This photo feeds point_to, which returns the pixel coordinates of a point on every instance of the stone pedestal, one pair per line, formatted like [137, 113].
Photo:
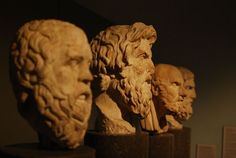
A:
[118, 146]
[161, 145]
[32, 150]
[182, 142]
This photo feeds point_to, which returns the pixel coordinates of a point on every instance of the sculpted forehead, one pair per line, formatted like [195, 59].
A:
[76, 41]
[51, 29]
[168, 73]
[44, 36]
[70, 40]
[72, 35]
[78, 46]
[188, 77]
[187, 74]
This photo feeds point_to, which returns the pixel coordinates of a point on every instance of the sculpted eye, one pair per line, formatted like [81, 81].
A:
[143, 55]
[189, 87]
[75, 61]
[175, 84]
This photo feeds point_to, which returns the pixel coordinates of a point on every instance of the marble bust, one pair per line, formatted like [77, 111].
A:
[173, 94]
[122, 69]
[49, 70]
[189, 96]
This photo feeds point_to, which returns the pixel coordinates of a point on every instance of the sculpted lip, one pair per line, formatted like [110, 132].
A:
[81, 101]
[82, 98]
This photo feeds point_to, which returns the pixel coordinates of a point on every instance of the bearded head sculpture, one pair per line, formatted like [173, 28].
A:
[173, 91]
[122, 69]
[49, 70]
[189, 85]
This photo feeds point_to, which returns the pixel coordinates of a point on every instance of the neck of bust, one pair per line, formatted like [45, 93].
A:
[112, 116]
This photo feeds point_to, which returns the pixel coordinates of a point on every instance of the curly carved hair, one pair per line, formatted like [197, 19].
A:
[31, 50]
[111, 47]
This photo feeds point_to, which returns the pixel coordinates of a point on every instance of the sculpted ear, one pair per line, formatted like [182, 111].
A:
[105, 81]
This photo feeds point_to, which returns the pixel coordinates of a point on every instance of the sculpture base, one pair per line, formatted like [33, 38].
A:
[118, 146]
[161, 145]
[182, 142]
[32, 150]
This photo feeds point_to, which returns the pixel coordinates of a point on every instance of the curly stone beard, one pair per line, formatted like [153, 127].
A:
[61, 120]
[186, 109]
[180, 110]
[136, 96]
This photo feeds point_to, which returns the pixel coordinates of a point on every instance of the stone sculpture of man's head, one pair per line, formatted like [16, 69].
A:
[122, 64]
[173, 90]
[189, 85]
[49, 69]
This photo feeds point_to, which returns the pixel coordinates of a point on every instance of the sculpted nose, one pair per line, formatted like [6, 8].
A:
[86, 77]
[151, 64]
[149, 67]
[182, 92]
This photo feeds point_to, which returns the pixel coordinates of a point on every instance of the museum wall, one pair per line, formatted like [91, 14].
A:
[199, 36]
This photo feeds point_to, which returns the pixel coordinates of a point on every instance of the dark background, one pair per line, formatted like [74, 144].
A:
[199, 35]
